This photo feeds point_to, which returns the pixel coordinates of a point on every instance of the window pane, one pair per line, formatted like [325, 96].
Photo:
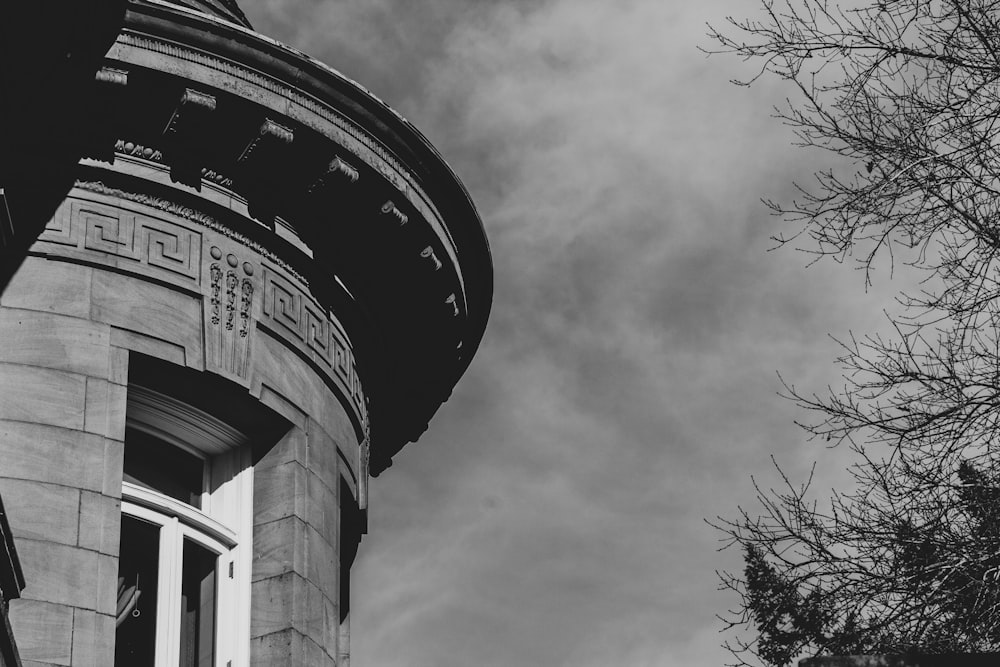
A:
[135, 637]
[158, 465]
[198, 606]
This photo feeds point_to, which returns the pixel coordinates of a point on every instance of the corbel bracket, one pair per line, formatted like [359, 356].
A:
[184, 135]
[264, 157]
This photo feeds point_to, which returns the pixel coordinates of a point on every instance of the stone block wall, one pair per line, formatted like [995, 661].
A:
[294, 620]
[95, 292]
[62, 417]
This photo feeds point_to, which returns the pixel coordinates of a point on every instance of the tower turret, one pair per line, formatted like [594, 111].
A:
[261, 284]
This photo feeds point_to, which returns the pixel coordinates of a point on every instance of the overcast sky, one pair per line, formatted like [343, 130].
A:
[626, 387]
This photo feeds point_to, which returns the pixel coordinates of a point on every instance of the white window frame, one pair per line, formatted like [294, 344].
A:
[223, 524]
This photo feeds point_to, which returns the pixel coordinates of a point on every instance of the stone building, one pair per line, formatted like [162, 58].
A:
[260, 284]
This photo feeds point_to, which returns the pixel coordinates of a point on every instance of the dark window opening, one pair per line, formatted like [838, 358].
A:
[198, 606]
[159, 466]
[135, 638]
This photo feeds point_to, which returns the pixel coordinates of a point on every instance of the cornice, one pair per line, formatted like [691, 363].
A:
[227, 10]
[376, 211]
[359, 143]
[395, 137]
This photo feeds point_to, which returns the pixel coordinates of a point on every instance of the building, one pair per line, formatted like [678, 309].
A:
[258, 285]
[11, 584]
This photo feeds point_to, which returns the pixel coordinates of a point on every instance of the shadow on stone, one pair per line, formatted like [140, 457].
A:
[49, 105]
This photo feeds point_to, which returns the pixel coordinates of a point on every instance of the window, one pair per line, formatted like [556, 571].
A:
[184, 568]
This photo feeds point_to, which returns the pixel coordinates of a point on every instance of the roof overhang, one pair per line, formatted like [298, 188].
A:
[382, 229]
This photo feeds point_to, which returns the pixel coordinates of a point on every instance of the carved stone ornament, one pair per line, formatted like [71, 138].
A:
[228, 314]
[393, 211]
[217, 178]
[188, 213]
[136, 150]
[428, 253]
[270, 137]
[112, 75]
[185, 130]
[131, 239]
[341, 129]
[293, 315]
[338, 172]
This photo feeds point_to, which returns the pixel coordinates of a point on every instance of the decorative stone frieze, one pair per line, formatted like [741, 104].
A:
[292, 315]
[169, 243]
[128, 239]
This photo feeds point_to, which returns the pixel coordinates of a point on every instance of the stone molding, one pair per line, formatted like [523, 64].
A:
[241, 289]
[193, 215]
[291, 315]
[169, 419]
[100, 232]
[330, 123]
[226, 10]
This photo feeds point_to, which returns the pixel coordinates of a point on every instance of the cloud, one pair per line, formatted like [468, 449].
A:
[552, 515]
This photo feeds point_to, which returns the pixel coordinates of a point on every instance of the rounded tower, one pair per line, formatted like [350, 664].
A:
[262, 283]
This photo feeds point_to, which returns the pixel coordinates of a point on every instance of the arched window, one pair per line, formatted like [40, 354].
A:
[184, 568]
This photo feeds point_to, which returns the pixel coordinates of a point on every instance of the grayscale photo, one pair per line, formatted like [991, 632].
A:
[500, 333]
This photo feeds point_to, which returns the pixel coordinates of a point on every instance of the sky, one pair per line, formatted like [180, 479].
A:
[626, 388]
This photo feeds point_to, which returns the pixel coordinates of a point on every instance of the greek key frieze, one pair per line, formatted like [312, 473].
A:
[171, 251]
[60, 228]
[295, 318]
[199, 217]
[282, 305]
[125, 239]
[317, 333]
[107, 230]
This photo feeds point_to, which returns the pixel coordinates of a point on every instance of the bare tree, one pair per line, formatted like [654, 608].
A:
[905, 97]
